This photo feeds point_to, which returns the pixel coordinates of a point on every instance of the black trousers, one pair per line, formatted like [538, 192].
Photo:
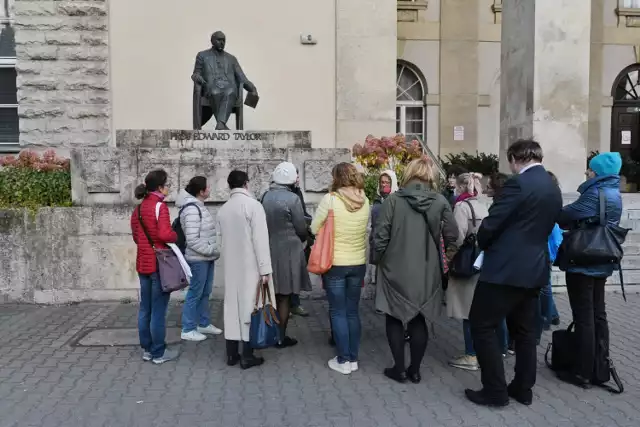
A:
[586, 296]
[492, 303]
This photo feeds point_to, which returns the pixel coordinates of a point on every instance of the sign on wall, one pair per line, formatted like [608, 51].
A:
[458, 133]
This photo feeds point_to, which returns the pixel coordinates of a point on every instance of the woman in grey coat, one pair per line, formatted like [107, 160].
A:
[199, 230]
[406, 249]
[287, 233]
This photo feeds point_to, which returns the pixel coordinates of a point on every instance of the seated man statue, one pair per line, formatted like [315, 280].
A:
[220, 76]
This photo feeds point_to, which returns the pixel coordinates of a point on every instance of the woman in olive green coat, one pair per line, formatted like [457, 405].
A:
[407, 252]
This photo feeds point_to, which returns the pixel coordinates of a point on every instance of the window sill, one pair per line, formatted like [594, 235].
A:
[412, 5]
[630, 16]
[408, 10]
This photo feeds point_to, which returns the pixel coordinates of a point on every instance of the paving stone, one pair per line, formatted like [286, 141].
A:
[46, 379]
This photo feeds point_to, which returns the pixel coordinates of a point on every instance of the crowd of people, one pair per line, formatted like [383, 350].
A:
[405, 243]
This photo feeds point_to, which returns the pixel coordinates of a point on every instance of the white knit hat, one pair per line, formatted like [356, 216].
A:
[285, 174]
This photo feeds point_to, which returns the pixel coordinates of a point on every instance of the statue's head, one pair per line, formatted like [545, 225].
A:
[218, 40]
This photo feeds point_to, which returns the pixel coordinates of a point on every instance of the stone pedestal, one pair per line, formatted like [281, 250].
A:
[545, 82]
[108, 176]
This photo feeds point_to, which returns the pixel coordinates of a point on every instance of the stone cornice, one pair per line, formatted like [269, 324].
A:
[630, 16]
[412, 4]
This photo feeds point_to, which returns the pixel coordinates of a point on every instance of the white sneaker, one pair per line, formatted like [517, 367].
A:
[192, 336]
[343, 368]
[210, 330]
[354, 366]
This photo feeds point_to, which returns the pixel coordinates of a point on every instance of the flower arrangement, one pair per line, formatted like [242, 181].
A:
[378, 154]
[31, 180]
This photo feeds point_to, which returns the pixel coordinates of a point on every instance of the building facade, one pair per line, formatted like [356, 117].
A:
[83, 70]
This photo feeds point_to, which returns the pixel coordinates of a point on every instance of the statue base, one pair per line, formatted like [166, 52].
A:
[108, 176]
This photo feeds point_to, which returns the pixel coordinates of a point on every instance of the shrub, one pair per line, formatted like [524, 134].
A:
[378, 154]
[31, 181]
[483, 163]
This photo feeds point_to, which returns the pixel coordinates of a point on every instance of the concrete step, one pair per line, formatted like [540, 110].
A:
[631, 277]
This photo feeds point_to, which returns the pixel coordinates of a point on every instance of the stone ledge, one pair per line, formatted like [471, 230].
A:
[630, 16]
[108, 176]
[412, 4]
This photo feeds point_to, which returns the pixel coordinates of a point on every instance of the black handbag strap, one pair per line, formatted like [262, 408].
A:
[603, 211]
[619, 388]
[473, 212]
[144, 229]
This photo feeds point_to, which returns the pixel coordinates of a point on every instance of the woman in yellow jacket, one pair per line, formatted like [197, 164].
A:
[343, 282]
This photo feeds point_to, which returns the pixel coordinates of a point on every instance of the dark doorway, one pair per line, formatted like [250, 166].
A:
[625, 114]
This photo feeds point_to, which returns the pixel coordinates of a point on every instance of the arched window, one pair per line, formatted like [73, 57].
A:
[411, 90]
[627, 84]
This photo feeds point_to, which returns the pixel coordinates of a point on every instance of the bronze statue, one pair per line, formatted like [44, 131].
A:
[219, 81]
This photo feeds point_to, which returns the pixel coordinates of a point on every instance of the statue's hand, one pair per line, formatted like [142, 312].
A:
[251, 88]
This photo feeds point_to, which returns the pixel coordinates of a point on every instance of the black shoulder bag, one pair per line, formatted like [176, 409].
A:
[462, 263]
[595, 244]
[563, 348]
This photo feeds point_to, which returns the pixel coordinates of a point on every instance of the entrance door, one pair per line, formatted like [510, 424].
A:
[625, 114]
[625, 129]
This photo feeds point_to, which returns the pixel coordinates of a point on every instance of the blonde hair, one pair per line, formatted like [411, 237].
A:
[420, 169]
[346, 175]
[470, 183]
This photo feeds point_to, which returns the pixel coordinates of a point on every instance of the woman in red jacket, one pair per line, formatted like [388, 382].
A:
[153, 301]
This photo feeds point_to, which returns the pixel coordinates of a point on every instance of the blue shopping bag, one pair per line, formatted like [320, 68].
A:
[265, 321]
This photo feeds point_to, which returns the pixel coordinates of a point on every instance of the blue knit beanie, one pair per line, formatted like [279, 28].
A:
[606, 164]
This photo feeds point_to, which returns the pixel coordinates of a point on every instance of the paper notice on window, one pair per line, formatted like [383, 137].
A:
[458, 133]
[626, 137]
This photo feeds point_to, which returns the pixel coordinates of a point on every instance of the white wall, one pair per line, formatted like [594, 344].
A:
[154, 43]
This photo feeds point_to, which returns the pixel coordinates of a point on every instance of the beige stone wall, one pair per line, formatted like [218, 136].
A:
[366, 36]
[151, 64]
[63, 74]
[429, 41]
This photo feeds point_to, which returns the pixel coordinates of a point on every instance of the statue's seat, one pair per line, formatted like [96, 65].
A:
[202, 111]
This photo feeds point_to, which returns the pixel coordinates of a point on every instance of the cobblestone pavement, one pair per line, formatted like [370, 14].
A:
[47, 381]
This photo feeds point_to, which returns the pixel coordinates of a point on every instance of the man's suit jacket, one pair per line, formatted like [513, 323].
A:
[205, 67]
[514, 235]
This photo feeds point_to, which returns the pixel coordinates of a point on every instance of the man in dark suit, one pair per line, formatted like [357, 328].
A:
[516, 266]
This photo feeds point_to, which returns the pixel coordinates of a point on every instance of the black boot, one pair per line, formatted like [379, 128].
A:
[233, 356]
[248, 359]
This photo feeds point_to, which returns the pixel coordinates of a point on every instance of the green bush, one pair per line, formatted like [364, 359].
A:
[483, 163]
[32, 181]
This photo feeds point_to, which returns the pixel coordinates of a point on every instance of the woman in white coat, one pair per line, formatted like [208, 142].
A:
[246, 260]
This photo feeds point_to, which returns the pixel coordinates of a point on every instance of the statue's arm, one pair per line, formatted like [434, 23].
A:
[197, 71]
[241, 77]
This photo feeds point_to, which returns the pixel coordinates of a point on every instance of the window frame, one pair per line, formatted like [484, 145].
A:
[10, 147]
[402, 105]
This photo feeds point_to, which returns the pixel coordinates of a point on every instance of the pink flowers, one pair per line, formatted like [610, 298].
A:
[386, 152]
[49, 161]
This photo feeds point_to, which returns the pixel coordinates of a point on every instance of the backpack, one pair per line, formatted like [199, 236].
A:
[181, 243]
[462, 265]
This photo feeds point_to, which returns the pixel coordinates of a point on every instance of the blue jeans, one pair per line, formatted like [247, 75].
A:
[503, 337]
[343, 285]
[295, 300]
[152, 316]
[196, 304]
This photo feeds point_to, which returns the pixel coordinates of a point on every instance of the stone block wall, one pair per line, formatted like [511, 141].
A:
[63, 72]
[106, 176]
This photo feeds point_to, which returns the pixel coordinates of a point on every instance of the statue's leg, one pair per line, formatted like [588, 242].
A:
[225, 100]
